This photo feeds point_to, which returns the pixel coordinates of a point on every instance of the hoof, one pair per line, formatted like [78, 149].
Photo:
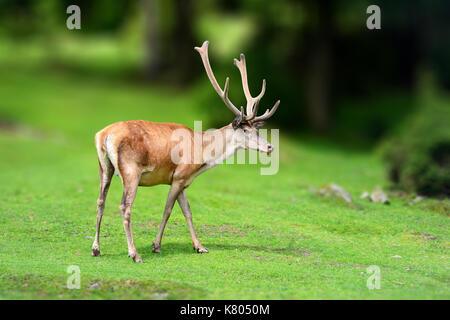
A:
[156, 248]
[95, 252]
[135, 257]
[201, 250]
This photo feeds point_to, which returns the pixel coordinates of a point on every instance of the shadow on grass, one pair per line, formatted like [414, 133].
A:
[183, 249]
[283, 250]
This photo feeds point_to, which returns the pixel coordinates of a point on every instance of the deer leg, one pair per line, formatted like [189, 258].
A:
[184, 204]
[173, 193]
[129, 193]
[106, 171]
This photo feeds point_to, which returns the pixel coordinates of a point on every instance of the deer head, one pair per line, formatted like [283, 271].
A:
[246, 124]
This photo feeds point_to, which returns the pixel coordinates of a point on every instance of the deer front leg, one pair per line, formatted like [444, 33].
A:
[175, 189]
[184, 204]
[129, 193]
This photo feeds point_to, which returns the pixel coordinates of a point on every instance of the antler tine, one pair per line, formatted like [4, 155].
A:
[242, 115]
[223, 94]
[252, 102]
[268, 113]
[258, 98]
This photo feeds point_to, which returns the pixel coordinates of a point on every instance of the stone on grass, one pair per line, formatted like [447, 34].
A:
[332, 189]
[160, 295]
[94, 285]
[364, 195]
[379, 196]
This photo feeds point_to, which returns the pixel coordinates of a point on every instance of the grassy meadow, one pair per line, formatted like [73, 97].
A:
[269, 237]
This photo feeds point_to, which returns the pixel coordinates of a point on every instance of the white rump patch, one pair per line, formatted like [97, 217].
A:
[112, 154]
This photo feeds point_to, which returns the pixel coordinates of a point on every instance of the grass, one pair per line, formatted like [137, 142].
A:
[270, 237]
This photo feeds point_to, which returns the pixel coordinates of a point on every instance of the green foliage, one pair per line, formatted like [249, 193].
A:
[418, 155]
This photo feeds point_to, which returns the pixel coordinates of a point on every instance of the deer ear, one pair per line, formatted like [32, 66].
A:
[236, 123]
[238, 120]
[258, 124]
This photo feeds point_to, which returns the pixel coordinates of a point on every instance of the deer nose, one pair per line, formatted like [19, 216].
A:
[269, 148]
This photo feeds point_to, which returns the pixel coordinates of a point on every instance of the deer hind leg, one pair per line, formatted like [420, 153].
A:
[130, 185]
[184, 204]
[106, 171]
[175, 189]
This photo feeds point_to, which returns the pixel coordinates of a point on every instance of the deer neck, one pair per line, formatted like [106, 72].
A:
[222, 150]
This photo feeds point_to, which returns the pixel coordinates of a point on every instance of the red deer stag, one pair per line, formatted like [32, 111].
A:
[140, 152]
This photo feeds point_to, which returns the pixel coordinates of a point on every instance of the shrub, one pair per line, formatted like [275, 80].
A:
[418, 155]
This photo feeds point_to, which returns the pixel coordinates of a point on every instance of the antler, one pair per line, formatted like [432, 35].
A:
[252, 102]
[268, 113]
[203, 50]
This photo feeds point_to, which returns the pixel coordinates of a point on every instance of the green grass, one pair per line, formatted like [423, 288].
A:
[270, 237]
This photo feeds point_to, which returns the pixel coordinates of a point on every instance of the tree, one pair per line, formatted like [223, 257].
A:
[319, 62]
[169, 39]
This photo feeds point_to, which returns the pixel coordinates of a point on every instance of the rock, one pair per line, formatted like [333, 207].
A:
[397, 257]
[332, 189]
[94, 285]
[364, 195]
[379, 196]
[160, 295]
[428, 236]
[415, 200]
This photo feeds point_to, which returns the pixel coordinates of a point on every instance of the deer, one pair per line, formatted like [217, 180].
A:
[140, 153]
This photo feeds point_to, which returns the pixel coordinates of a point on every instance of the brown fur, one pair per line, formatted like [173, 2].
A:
[140, 152]
[146, 145]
